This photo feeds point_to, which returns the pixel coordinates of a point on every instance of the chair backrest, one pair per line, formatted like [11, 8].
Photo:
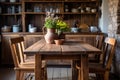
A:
[108, 52]
[17, 47]
[98, 44]
[99, 41]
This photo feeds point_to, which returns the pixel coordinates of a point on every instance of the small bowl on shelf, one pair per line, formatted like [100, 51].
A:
[6, 29]
[33, 29]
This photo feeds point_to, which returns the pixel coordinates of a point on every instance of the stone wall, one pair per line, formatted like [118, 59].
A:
[113, 30]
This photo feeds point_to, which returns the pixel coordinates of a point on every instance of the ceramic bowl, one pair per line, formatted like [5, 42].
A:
[6, 29]
[33, 29]
[93, 29]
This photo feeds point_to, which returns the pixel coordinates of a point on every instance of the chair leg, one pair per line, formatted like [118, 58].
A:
[79, 74]
[106, 75]
[18, 75]
[74, 70]
[22, 77]
[45, 73]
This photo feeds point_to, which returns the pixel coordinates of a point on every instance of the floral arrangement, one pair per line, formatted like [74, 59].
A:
[52, 21]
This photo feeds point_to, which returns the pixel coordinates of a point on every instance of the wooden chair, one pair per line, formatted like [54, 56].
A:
[22, 64]
[102, 69]
[99, 43]
[92, 57]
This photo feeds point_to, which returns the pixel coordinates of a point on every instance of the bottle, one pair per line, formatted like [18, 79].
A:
[12, 9]
[66, 8]
[19, 9]
[29, 27]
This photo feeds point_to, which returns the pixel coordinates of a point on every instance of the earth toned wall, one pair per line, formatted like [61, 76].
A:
[114, 31]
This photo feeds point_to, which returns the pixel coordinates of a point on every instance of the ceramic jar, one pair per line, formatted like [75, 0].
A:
[74, 10]
[16, 28]
[12, 0]
[93, 10]
[50, 36]
[93, 29]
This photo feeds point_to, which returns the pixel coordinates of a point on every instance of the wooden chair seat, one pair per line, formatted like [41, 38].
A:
[28, 63]
[98, 69]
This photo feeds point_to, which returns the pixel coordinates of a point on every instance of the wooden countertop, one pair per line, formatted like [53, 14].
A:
[41, 33]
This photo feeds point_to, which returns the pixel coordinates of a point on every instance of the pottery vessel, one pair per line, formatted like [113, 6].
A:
[50, 36]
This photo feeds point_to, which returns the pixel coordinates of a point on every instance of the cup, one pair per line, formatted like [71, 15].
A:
[16, 28]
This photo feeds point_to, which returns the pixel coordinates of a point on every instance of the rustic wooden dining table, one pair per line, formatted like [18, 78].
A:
[70, 50]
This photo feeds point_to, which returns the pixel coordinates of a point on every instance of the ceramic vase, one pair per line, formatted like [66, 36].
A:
[50, 36]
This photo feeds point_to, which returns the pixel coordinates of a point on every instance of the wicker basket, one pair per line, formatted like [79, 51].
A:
[6, 29]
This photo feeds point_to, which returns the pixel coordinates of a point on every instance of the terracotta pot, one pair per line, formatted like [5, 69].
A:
[58, 41]
[50, 36]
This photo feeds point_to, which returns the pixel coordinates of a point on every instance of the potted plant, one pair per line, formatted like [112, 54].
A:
[50, 26]
[55, 27]
[60, 28]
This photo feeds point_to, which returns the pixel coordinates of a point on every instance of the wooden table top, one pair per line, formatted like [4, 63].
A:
[69, 47]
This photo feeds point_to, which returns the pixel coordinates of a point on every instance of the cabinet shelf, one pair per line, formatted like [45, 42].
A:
[80, 13]
[34, 11]
[44, 1]
[11, 3]
[6, 14]
[38, 13]
[80, 1]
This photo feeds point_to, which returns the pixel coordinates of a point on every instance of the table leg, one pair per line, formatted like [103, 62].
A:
[84, 67]
[38, 66]
[74, 70]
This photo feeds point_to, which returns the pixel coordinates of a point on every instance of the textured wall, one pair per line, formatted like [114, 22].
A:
[114, 8]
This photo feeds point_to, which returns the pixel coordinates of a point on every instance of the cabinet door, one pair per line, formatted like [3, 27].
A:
[6, 56]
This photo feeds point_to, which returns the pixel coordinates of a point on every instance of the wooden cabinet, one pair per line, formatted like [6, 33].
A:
[25, 12]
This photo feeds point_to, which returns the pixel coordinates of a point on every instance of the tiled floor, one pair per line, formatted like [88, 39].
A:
[54, 73]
